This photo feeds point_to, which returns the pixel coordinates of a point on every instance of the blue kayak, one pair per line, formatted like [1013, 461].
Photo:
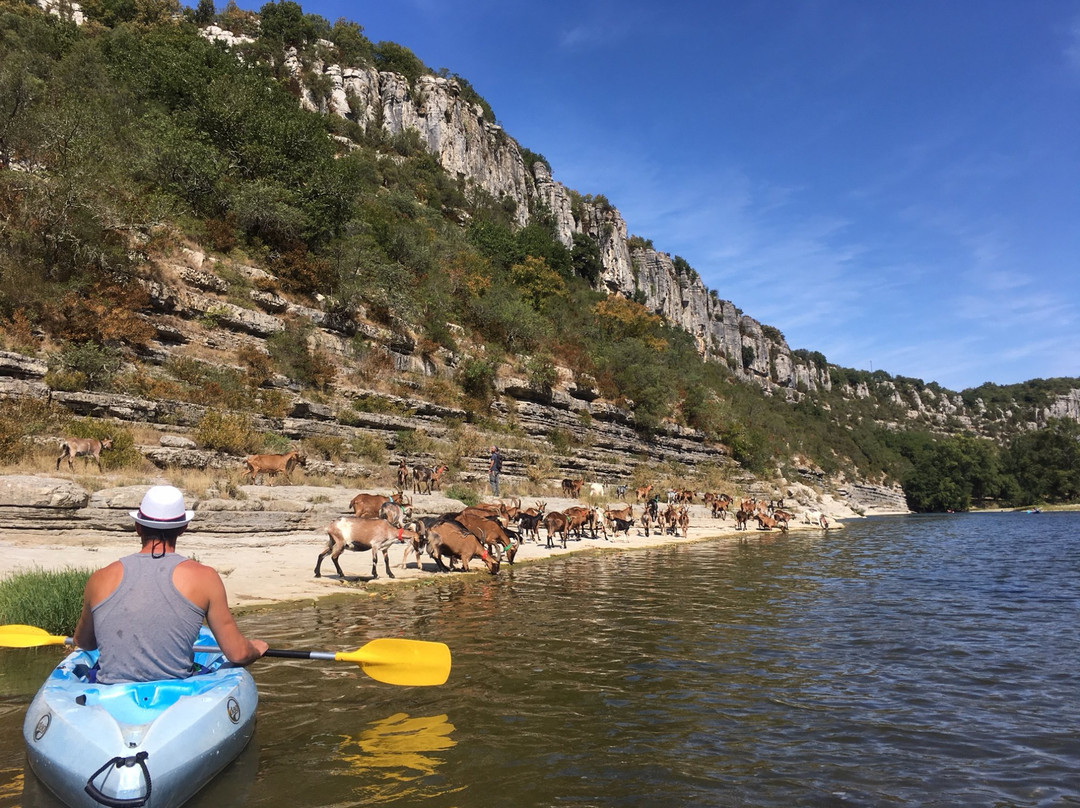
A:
[144, 743]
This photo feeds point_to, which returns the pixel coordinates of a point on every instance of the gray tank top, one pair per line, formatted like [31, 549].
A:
[145, 629]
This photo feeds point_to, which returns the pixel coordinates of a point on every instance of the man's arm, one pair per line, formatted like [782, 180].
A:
[237, 648]
[84, 632]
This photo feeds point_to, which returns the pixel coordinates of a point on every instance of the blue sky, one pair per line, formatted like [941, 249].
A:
[893, 184]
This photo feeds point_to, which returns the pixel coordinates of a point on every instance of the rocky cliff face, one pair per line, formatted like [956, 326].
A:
[483, 154]
[468, 146]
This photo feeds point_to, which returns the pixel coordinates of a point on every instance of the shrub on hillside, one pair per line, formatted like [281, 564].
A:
[463, 494]
[227, 432]
[326, 447]
[412, 442]
[295, 359]
[83, 366]
[20, 419]
[477, 378]
[369, 447]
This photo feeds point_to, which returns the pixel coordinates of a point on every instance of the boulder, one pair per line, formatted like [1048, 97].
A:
[24, 491]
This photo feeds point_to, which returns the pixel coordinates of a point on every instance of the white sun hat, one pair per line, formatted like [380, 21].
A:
[162, 507]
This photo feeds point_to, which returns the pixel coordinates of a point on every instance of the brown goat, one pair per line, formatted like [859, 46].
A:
[580, 518]
[556, 523]
[370, 504]
[766, 522]
[83, 447]
[273, 464]
[491, 533]
[572, 488]
[426, 477]
[453, 540]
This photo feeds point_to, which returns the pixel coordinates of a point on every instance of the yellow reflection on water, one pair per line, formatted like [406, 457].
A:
[400, 747]
[11, 783]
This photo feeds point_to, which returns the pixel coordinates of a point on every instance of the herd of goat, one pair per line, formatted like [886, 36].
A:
[491, 532]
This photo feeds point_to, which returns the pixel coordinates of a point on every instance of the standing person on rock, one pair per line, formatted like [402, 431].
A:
[494, 469]
[144, 611]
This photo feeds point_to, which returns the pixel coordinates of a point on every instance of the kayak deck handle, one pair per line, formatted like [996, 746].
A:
[98, 795]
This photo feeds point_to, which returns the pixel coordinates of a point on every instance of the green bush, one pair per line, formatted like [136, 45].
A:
[48, 600]
[560, 441]
[463, 494]
[369, 447]
[541, 373]
[327, 447]
[86, 365]
[19, 419]
[412, 442]
[227, 432]
[477, 377]
[275, 443]
[295, 359]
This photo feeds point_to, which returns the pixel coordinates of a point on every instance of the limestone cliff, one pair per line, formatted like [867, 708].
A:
[466, 145]
[483, 154]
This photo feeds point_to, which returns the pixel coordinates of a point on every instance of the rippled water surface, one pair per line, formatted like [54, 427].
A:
[922, 661]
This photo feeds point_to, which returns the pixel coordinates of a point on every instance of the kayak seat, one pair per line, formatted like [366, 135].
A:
[142, 702]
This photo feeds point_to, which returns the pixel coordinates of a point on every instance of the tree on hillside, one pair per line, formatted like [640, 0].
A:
[286, 24]
[1046, 463]
[204, 12]
[585, 255]
[955, 473]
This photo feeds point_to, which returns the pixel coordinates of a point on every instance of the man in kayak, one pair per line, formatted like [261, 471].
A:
[144, 611]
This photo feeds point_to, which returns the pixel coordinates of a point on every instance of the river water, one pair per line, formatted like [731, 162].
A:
[912, 661]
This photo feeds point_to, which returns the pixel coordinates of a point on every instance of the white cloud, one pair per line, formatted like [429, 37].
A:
[1072, 46]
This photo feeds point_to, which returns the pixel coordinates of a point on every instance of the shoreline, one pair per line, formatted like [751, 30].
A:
[268, 569]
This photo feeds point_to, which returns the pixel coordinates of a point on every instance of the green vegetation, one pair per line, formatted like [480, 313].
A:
[960, 472]
[134, 135]
[48, 600]
[1046, 463]
[227, 432]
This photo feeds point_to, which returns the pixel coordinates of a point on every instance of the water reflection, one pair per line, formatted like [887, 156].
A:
[11, 784]
[399, 747]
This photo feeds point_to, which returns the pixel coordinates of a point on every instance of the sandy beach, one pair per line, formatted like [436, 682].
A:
[274, 568]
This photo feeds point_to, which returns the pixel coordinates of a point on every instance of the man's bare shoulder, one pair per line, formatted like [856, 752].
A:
[195, 574]
[108, 573]
[102, 582]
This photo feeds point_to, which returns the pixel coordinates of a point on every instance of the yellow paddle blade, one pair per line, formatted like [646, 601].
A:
[402, 662]
[29, 637]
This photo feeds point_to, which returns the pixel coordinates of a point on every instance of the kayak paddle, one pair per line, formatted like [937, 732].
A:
[390, 660]
[30, 637]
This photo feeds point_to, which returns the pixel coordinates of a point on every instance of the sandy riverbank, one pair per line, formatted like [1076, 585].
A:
[275, 568]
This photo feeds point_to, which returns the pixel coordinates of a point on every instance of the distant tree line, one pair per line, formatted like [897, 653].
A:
[961, 472]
